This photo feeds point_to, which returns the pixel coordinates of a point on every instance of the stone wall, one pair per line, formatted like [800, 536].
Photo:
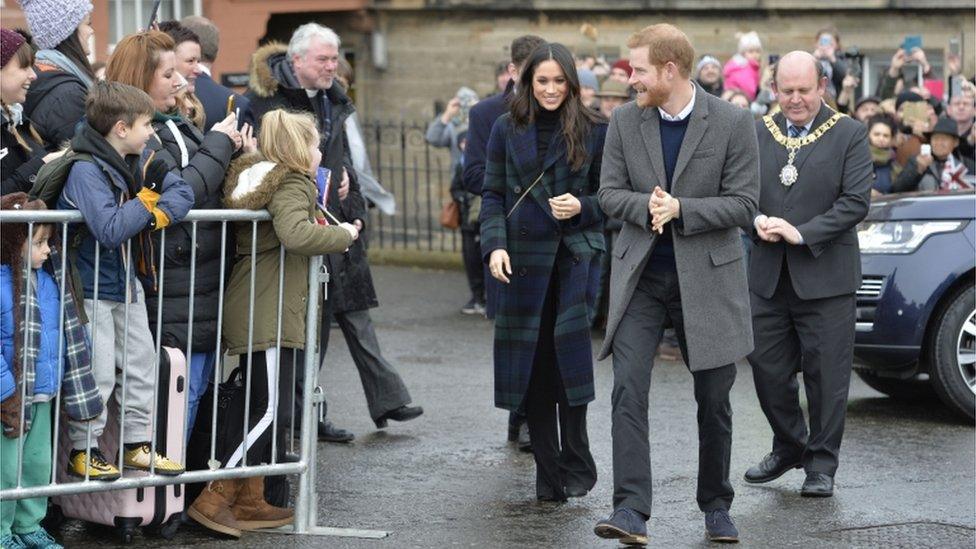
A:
[432, 52]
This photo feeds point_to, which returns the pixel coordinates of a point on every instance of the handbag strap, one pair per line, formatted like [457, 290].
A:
[524, 194]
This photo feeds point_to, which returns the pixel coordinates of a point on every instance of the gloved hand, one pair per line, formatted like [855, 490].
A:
[154, 174]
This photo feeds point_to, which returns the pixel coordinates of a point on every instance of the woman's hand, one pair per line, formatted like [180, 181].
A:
[228, 127]
[565, 206]
[249, 142]
[352, 229]
[499, 265]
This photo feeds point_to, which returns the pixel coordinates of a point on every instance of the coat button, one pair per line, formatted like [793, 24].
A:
[523, 231]
[517, 190]
[579, 191]
[32, 178]
[576, 260]
[523, 271]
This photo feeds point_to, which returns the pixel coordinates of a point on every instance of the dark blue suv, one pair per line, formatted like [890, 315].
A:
[916, 308]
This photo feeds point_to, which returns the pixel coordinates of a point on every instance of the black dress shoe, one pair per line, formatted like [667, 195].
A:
[770, 468]
[330, 433]
[576, 492]
[403, 413]
[817, 485]
[290, 457]
[524, 441]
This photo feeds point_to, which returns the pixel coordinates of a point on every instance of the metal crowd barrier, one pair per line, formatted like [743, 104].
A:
[306, 499]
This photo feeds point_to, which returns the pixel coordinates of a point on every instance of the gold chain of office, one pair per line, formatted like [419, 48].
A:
[789, 174]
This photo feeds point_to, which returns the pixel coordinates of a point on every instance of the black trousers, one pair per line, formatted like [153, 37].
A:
[656, 300]
[271, 387]
[473, 265]
[816, 337]
[558, 430]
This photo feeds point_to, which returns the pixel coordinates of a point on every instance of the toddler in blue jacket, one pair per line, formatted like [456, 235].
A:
[42, 353]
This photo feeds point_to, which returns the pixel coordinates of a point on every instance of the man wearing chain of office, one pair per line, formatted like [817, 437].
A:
[805, 269]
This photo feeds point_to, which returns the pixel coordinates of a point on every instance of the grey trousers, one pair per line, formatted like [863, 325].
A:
[117, 346]
[656, 299]
[383, 386]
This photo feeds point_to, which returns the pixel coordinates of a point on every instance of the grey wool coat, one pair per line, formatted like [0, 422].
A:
[716, 180]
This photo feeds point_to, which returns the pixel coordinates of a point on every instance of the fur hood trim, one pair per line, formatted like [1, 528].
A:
[263, 81]
[251, 181]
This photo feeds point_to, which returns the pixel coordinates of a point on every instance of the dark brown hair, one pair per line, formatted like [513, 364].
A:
[523, 46]
[71, 48]
[179, 33]
[576, 118]
[108, 102]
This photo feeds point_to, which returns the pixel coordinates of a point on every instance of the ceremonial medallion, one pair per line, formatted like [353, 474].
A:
[788, 175]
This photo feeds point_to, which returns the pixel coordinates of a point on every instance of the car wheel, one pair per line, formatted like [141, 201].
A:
[952, 353]
[902, 389]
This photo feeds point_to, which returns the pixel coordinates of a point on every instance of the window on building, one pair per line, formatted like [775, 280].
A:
[128, 16]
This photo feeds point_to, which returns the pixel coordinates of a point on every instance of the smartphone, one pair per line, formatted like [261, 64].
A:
[826, 40]
[773, 58]
[230, 104]
[954, 47]
[153, 14]
[911, 42]
[926, 150]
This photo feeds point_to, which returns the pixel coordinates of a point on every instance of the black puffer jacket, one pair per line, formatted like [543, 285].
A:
[273, 86]
[203, 168]
[55, 104]
[19, 166]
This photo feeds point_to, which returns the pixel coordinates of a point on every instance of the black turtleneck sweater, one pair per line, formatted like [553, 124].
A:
[546, 122]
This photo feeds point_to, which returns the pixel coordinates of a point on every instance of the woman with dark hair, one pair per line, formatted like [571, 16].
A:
[56, 101]
[541, 233]
[24, 152]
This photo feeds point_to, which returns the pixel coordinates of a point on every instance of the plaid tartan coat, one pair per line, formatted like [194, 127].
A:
[532, 237]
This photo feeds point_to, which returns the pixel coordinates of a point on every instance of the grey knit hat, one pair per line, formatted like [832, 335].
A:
[52, 21]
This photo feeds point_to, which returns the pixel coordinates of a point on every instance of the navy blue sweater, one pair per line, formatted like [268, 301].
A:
[672, 134]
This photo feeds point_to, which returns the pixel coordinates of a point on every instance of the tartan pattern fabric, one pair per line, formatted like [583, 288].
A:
[532, 237]
[79, 394]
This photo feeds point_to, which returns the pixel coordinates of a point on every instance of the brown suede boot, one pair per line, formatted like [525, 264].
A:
[253, 513]
[212, 508]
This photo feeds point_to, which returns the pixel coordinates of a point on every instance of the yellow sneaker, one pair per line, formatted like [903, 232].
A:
[94, 462]
[139, 458]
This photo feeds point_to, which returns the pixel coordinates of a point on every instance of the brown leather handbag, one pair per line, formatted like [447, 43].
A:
[451, 215]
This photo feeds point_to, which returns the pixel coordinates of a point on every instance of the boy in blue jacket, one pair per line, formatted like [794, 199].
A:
[121, 203]
[43, 354]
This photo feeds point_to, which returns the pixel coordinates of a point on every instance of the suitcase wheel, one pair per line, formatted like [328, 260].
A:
[126, 535]
[169, 528]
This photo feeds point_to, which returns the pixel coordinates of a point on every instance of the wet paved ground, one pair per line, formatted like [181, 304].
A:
[449, 479]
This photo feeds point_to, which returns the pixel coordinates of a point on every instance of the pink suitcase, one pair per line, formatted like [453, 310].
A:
[158, 507]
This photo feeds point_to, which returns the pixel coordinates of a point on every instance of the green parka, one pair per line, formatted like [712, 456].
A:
[254, 183]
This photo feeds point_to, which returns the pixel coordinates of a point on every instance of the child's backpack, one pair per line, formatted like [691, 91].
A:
[50, 180]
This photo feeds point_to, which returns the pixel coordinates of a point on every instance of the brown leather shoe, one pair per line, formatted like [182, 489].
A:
[252, 512]
[212, 508]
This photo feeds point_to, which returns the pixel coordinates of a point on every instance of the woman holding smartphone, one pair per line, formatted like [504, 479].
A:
[542, 233]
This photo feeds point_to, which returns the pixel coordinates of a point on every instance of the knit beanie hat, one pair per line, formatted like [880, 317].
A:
[10, 42]
[624, 65]
[587, 79]
[748, 41]
[707, 60]
[52, 21]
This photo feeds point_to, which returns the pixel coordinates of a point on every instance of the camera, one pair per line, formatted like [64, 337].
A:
[855, 60]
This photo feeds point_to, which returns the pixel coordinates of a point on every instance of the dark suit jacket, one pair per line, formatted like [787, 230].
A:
[214, 99]
[830, 198]
[480, 120]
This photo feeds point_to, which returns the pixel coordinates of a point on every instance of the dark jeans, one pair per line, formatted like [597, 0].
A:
[656, 300]
[815, 336]
[558, 431]
[473, 265]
